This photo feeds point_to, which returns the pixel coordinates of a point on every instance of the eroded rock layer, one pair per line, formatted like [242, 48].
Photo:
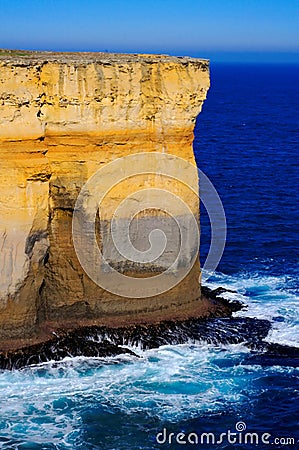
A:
[62, 117]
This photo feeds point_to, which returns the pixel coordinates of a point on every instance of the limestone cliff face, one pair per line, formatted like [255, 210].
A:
[62, 117]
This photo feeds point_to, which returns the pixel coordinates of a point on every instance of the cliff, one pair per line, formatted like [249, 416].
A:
[62, 118]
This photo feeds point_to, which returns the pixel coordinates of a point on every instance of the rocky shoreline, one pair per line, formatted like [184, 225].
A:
[103, 341]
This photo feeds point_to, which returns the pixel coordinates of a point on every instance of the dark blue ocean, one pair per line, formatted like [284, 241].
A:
[246, 142]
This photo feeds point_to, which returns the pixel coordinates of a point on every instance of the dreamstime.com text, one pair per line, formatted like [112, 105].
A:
[238, 436]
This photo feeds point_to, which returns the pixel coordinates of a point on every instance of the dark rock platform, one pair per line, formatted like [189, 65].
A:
[95, 341]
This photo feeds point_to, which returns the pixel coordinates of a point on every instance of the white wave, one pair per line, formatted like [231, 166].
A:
[266, 297]
[47, 403]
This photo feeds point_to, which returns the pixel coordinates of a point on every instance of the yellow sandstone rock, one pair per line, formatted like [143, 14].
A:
[62, 118]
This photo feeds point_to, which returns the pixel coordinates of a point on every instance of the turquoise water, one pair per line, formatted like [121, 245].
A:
[246, 142]
[124, 402]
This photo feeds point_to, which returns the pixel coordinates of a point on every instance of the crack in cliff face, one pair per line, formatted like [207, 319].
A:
[41, 176]
[32, 239]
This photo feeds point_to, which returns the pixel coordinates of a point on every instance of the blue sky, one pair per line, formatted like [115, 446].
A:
[217, 29]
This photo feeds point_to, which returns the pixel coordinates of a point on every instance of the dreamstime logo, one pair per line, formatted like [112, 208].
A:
[237, 436]
[240, 426]
[147, 242]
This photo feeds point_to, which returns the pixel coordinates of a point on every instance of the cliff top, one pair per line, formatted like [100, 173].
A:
[32, 57]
